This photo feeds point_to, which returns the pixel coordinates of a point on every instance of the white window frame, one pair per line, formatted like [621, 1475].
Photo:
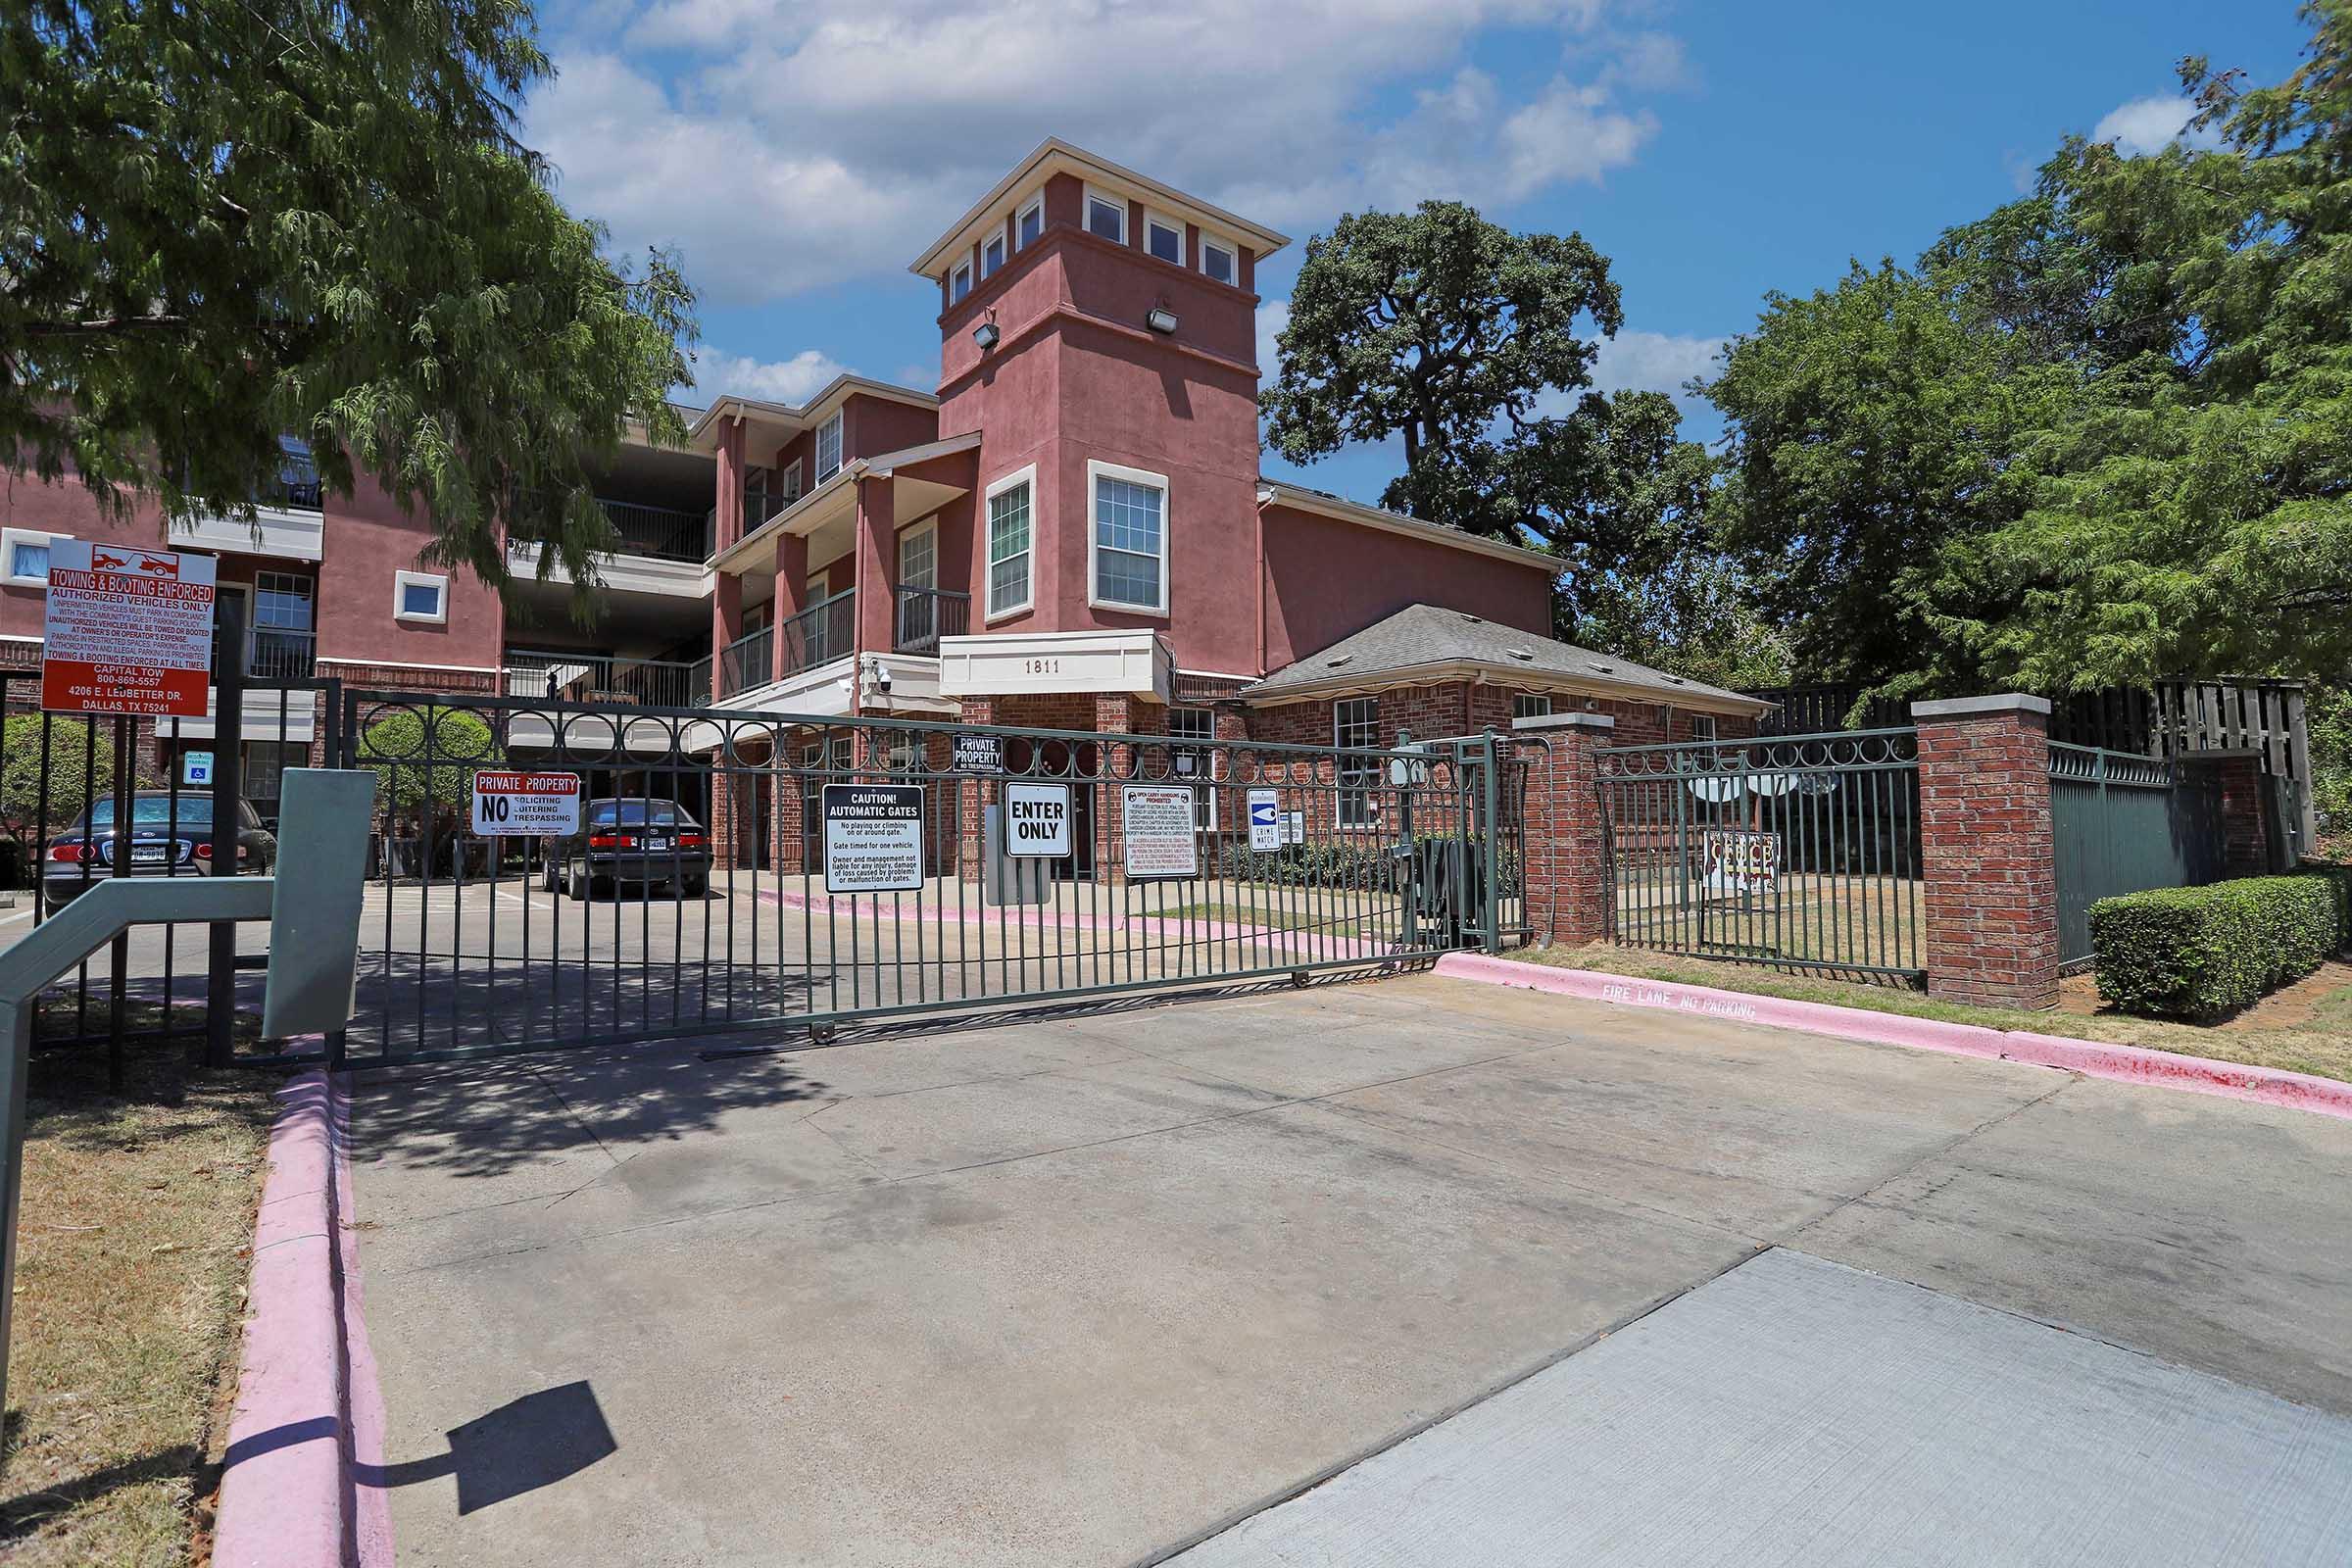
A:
[1151, 221]
[993, 611]
[788, 490]
[1097, 469]
[403, 581]
[1004, 249]
[1205, 793]
[959, 282]
[1108, 198]
[1035, 204]
[1702, 726]
[10, 539]
[1233, 258]
[1361, 784]
[816, 446]
[1531, 705]
[929, 527]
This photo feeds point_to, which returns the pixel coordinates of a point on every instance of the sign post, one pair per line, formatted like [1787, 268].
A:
[127, 631]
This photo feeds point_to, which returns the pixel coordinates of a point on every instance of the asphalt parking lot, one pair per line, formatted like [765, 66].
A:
[1106, 1286]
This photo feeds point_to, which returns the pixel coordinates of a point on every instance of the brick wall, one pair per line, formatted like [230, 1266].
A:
[1991, 899]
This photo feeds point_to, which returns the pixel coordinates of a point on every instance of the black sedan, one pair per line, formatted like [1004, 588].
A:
[655, 844]
[168, 836]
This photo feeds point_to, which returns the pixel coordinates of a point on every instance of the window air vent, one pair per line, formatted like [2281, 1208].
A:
[1474, 620]
[1604, 669]
[1675, 680]
[1525, 656]
[1344, 659]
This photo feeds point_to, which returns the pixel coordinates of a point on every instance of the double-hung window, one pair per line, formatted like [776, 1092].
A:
[992, 256]
[828, 449]
[959, 282]
[1127, 513]
[1702, 726]
[283, 620]
[1355, 726]
[1106, 216]
[1029, 224]
[1197, 724]
[1009, 552]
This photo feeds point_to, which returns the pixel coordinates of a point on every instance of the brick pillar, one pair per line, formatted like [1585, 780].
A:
[1566, 870]
[1985, 851]
[1114, 715]
[2245, 847]
[972, 795]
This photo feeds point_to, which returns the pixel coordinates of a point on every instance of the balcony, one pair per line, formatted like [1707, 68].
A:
[823, 632]
[274, 653]
[607, 678]
[745, 661]
[757, 506]
[925, 615]
[662, 532]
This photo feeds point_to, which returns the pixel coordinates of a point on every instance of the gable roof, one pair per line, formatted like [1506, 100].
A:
[1423, 643]
[1323, 503]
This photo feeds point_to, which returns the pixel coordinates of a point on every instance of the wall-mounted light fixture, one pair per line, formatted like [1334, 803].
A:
[1161, 320]
[986, 334]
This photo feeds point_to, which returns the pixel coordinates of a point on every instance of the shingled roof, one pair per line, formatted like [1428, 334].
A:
[1425, 644]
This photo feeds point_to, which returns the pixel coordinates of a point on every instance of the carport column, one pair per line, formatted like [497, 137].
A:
[791, 597]
[876, 551]
[1985, 851]
[1567, 870]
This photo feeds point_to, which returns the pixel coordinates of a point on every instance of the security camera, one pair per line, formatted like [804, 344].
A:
[882, 678]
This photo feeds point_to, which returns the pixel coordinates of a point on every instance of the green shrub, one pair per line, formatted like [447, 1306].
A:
[2338, 881]
[2199, 952]
[424, 759]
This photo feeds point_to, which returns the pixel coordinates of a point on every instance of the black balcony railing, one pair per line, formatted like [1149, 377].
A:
[274, 653]
[925, 615]
[659, 531]
[823, 632]
[747, 661]
[607, 678]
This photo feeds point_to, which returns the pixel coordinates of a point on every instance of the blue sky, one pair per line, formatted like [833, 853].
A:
[799, 151]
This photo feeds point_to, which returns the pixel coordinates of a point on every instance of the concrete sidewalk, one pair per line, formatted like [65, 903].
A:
[1087, 1290]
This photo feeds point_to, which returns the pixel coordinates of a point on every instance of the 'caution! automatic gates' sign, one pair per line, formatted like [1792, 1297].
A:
[525, 804]
[873, 838]
[128, 630]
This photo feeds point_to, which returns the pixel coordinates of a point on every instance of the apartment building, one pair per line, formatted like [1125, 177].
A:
[1069, 529]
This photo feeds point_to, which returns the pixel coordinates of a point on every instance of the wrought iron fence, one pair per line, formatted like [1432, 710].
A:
[742, 869]
[1801, 852]
[2121, 823]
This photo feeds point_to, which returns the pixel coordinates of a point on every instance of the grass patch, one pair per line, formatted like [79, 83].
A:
[132, 1258]
[2318, 1039]
[1276, 917]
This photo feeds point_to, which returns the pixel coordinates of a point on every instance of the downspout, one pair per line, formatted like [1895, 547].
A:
[1263, 497]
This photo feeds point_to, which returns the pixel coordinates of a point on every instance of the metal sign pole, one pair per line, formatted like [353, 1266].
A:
[229, 790]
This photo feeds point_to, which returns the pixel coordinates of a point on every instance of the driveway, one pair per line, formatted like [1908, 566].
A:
[1090, 1288]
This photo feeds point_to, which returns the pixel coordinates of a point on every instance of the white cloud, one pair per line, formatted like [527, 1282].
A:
[2147, 126]
[1652, 362]
[1272, 316]
[797, 143]
[793, 380]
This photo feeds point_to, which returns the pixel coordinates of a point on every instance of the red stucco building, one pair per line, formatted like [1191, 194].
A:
[1069, 529]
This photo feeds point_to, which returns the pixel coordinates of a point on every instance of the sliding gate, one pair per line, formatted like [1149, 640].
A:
[743, 871]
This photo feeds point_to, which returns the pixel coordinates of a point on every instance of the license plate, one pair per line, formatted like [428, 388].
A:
[656, 844]
[150, 854]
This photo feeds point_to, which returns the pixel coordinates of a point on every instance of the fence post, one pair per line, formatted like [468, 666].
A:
[1563, 863]
[229, 790]
[1986, 855]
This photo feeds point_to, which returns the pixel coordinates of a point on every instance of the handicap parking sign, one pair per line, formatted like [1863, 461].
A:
[1266, 820]
[199, 765]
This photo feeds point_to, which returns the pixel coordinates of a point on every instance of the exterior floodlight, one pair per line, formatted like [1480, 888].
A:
[1161, 320]
[986, 335]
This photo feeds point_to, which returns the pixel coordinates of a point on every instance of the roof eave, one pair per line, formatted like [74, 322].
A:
[1494, 673]
[1277, 492]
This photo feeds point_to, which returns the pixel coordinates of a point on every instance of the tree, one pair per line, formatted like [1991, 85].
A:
[221, 224]
[2093, 438]
[79, 765]
[424, 760]
[1432, 326]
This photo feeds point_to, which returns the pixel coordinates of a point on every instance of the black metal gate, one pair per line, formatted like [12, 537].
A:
[705, 892]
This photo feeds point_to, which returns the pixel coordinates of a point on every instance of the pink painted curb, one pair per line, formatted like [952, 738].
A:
[2130, 1064]
[288, 1498]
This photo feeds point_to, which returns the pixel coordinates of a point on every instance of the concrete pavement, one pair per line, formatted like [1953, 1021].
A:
[1088, 1288]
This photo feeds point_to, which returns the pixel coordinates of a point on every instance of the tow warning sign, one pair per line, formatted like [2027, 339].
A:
[128, 630]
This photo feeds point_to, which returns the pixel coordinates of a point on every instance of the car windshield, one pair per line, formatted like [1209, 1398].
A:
[156, 810]
[634, 813]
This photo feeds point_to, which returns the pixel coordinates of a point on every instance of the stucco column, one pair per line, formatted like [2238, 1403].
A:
[727, 624]
[1566, 870]
[1991, 900]
[727, 524]
[791, 597]
[875, 549]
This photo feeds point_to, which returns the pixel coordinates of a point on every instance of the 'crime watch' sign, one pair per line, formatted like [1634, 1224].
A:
[1036, 820]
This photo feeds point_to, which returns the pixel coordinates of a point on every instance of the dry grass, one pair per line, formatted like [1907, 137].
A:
[2299, 1033]
[131, 1259]
[1274, 917]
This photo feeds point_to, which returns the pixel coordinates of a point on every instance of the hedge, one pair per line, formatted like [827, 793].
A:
[2199, 952]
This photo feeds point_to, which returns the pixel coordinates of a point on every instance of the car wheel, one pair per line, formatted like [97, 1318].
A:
[576, 887]
[546, 878]
[694, 887]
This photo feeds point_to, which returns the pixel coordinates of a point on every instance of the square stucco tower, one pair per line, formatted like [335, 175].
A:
[1113, 385]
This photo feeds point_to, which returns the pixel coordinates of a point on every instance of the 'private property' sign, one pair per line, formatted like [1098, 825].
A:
[525, 804]
[128, 630]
